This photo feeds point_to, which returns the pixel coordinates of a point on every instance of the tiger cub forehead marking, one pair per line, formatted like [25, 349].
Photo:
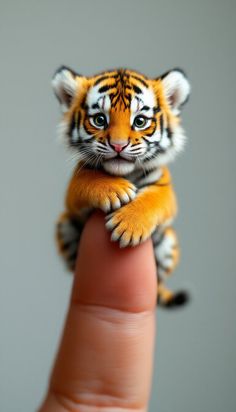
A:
[146, 99]
[144, 103]
[121, 92]
[98, 101]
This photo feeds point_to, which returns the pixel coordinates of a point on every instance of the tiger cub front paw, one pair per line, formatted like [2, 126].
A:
[131, 225]
[113, 196]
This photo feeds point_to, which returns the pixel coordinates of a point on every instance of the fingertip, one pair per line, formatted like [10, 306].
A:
[107, 275]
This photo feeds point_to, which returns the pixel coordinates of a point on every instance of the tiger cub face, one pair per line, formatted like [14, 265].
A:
[120, 120]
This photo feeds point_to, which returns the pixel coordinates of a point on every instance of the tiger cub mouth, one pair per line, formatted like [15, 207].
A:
[119, 159]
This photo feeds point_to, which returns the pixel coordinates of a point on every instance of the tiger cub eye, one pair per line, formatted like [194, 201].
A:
[140, 121]
[100, 120]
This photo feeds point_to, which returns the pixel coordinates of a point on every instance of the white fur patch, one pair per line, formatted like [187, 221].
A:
[136, 104]
[165, 142]
[164, 251]
[75, 135]
[83, 134]
[118, 167]
[147, 98]
[156, 137]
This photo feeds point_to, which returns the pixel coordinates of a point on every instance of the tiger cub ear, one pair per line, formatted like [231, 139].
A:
[176, 88]
[65, 86]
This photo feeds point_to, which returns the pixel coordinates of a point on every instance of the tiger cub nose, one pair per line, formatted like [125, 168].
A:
[118, 147]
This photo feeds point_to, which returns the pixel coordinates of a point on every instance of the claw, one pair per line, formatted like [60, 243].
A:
[116, 204]
[124, 198]
[114, 236]
[132, 193]
[109, 224]
[106, 206]
[124, 241]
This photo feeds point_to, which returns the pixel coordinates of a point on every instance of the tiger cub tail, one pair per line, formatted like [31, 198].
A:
[169, 299]
[166, 248]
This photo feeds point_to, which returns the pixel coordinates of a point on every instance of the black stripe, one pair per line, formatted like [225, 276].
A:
[128, 97]
[152, 133]
[146, 108]
[72, 125]
[104, 89]
[101, 79]
[110, 73]
[95, 106]
[134, 151]
[87, 131]
[140, 79]
[83, 104]
[161, 124]
[137, 89]
[78, 120]
[156, 109]
[169, 133]
[146, 140]
[114, 98]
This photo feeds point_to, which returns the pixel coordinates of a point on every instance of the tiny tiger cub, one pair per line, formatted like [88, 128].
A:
[124, 128]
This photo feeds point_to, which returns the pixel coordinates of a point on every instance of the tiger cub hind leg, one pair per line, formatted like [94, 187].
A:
[68, 232]
[166, 249]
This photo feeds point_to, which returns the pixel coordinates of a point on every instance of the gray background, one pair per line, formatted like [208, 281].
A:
[195, 364]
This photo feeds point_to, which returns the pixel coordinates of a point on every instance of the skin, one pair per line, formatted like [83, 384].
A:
[105, 357]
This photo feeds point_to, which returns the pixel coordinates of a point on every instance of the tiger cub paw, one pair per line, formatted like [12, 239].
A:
[130, 227]
[115, 196]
